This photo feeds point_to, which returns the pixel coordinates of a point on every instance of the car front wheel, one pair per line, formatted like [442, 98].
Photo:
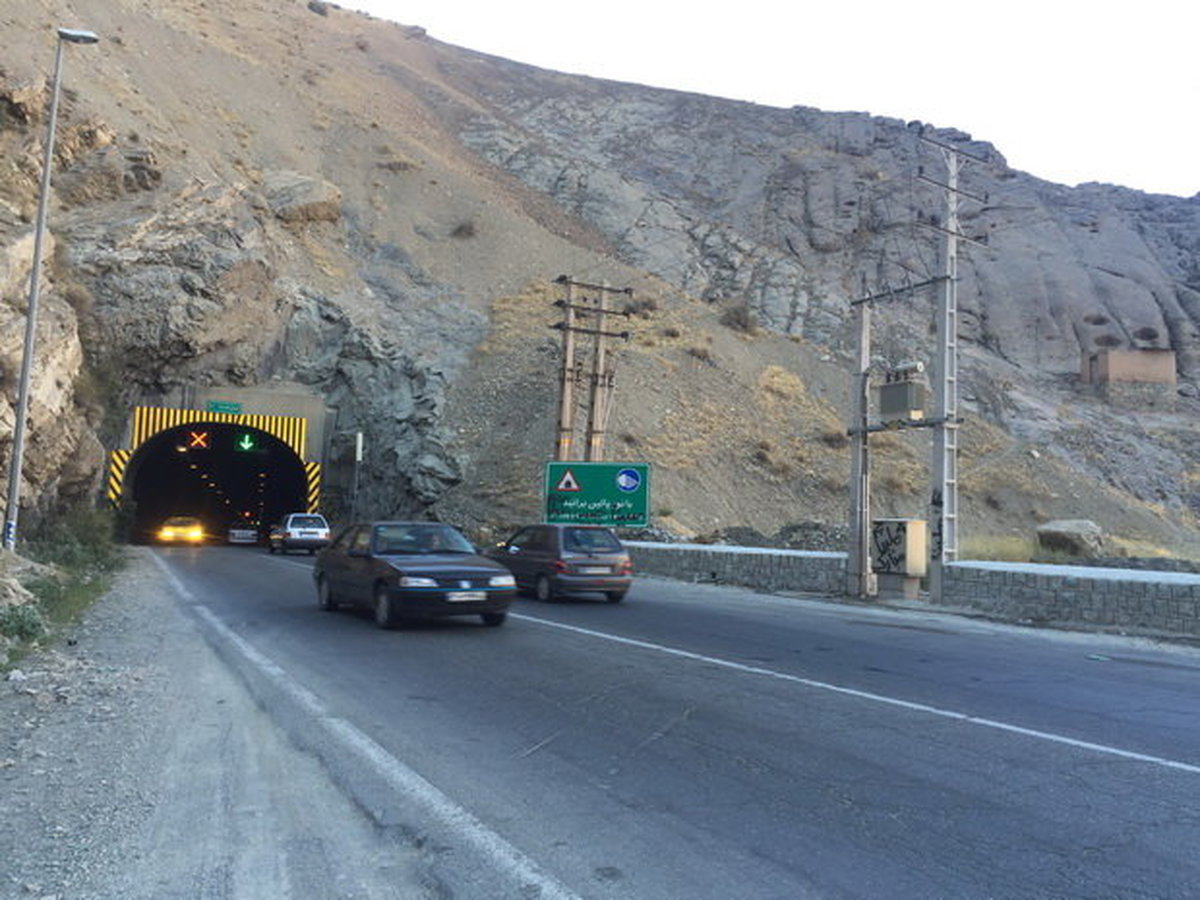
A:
[385, 614]
[493, 620]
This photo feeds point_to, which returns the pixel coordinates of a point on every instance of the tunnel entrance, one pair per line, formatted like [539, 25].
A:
[222, 473]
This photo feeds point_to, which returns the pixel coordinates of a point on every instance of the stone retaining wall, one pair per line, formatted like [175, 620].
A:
[1127, 599]
[754, 567]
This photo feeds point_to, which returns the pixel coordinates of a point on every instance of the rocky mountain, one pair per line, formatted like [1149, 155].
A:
[258, 192]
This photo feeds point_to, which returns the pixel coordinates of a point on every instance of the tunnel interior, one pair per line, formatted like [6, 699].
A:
[219, 472]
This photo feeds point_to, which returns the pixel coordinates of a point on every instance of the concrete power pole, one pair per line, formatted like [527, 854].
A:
[602, 374]
[943, 502]
[600, 384]
[566, 401]
[859, 574]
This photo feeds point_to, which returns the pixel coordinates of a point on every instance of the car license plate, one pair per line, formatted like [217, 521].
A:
[594, 570]
[465, 596]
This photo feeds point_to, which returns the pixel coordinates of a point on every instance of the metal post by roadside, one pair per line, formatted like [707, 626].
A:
[65, 36]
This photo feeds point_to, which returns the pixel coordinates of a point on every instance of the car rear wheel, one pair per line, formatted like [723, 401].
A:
[615, 596]
[493, 620]
[385, 613]
[325, 595]
[544, 590]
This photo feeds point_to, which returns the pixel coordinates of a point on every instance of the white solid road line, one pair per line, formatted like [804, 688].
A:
[875, 698]
[404, 780]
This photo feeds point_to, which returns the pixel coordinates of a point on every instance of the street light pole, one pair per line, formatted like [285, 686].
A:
[65, 36]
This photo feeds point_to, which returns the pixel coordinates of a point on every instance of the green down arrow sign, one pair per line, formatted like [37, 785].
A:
[246, 443]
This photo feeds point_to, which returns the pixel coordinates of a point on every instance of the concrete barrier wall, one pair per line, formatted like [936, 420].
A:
[1127, 599]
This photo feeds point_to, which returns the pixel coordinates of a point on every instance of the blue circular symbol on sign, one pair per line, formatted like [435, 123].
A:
[629, 480]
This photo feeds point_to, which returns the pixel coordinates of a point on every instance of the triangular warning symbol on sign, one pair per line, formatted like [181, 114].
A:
[567, 482]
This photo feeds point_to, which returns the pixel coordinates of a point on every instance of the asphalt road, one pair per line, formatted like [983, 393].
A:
[707, 742]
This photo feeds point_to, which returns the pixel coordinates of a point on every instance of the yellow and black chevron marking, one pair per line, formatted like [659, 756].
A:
[117, 462]
[312, 475]
[150, 420]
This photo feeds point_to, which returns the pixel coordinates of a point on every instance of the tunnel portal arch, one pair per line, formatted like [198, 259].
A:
[220, 467]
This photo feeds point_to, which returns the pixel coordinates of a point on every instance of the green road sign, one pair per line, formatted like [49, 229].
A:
[245, 442]
[598, 493]
[224, 406]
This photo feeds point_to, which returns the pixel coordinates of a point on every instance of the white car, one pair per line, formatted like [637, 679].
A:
[243, 533]
[299, 531]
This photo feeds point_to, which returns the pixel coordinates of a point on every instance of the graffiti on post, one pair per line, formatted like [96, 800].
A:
[935, 539]
[889, 546]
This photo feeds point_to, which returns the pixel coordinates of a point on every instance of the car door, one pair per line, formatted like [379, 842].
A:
[335, 561]
[541, 552]
[516, 556]
[360, 567]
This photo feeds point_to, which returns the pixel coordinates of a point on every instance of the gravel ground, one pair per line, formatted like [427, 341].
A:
[133, 764]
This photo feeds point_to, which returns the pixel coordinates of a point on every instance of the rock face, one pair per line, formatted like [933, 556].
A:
[351, 206]
[792, 210]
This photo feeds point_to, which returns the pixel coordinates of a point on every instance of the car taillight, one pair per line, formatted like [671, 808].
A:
[559, 566]
[625, 568]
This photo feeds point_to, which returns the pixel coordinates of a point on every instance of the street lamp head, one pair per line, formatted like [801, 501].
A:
[78, 36]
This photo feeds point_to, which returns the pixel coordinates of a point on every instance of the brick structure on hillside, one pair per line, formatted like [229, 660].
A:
[1138, 379]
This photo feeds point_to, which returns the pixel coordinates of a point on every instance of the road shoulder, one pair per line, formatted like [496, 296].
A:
[134, 764]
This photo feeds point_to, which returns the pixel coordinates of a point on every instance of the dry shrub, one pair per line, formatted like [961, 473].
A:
[777, 381]
[641, 306]
[740, 317]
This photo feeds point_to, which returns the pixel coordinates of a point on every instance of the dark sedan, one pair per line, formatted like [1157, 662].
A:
[403, 570]
[555, 560]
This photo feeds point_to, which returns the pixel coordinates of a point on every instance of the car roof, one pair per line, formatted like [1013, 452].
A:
[374, 522]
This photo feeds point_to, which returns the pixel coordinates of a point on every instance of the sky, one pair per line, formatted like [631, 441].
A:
[1070, 91]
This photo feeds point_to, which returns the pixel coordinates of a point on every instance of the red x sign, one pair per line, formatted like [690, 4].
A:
[198, 440]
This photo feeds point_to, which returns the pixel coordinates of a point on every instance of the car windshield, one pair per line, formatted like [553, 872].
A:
[181, 522]
[420, 538]
[591, 540]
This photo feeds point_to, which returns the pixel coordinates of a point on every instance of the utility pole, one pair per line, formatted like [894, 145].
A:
[566, 404]
[602, 374]
[943, 503]
[860, 581]
[859, 571]
[598, 399]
